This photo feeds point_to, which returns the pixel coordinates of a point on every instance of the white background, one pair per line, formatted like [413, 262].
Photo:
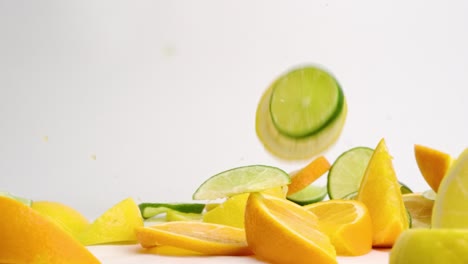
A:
[149, 98]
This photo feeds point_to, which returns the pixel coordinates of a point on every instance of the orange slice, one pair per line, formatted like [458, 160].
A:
[433, 164]
[29, 237]
[347, 223]
[308, 174]
[280, 231]
[380, 192]
[205, 238]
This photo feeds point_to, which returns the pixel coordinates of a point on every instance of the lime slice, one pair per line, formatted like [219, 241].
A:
[254, 178]
[23, 200]
[345, 174]
[291, 148]
[308, 195]
[304, 101]
[430, 246]
[149, 210]
[451, 203]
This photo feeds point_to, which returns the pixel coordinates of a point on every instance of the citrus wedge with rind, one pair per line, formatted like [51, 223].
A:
[29, 237]
[205, 238]
[380, 192]
[253, 178]
[346, 172]
[294, 148]
[116, 225]
[451, 203]
[304, 101]
[431, 246]
[433, 164]
[347, 223]
[70, 219]
[308, 174]
[308, 195]
[420, 209]
[149, 210]
[280, 231]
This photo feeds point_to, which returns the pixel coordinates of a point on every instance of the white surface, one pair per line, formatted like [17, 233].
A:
[134, 254]
[149, 98]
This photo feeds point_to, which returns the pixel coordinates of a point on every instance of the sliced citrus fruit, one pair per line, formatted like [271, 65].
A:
[310, 131]
[232, 211]
[308, 174]
[29, 237]
[244, 179]
[420, 209]
[280, 231]
[67, 217]
[433, 164]
[451, 203]
[24, 200]
[431, 246]
[173, 215]
[308, 195]
[380, 192]
[304, 101]
[206, 238]
[116, 225]
[347, 223]
[149, 210]
[345, 174]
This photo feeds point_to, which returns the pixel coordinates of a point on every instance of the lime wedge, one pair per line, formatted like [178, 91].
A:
[430, 246]
[345, 174]
[254, 178]
[304, 101]
[451, 203]
[298, 147]
[308, 195]
[149, 210]
[23, 200]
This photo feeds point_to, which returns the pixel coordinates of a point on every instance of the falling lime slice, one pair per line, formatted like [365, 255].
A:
[23, 200]
[430, 246]
[297, 148]
[451, 206]
[345, 174]
[254, 178]
[308, 195]
[149, 210]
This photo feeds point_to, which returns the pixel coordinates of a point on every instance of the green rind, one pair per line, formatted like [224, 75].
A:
[337, 108]
[308, 195]
[252, 178]
[354, 161]
[149, 210]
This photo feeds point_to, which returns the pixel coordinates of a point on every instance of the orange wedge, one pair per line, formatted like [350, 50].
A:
[201, 237]
[308, 174]
[433, 164]
[280, 231]
[347, 223]
[29, 237]
[380, 192]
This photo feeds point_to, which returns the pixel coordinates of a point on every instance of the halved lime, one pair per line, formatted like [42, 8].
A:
[308, 195]
[149, 210]
[23, 200]
[253, 178]
[304, 101]
[451, 203]
[297, 148]
[345, 174]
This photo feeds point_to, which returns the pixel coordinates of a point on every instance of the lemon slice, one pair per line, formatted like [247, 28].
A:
[295, 140]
